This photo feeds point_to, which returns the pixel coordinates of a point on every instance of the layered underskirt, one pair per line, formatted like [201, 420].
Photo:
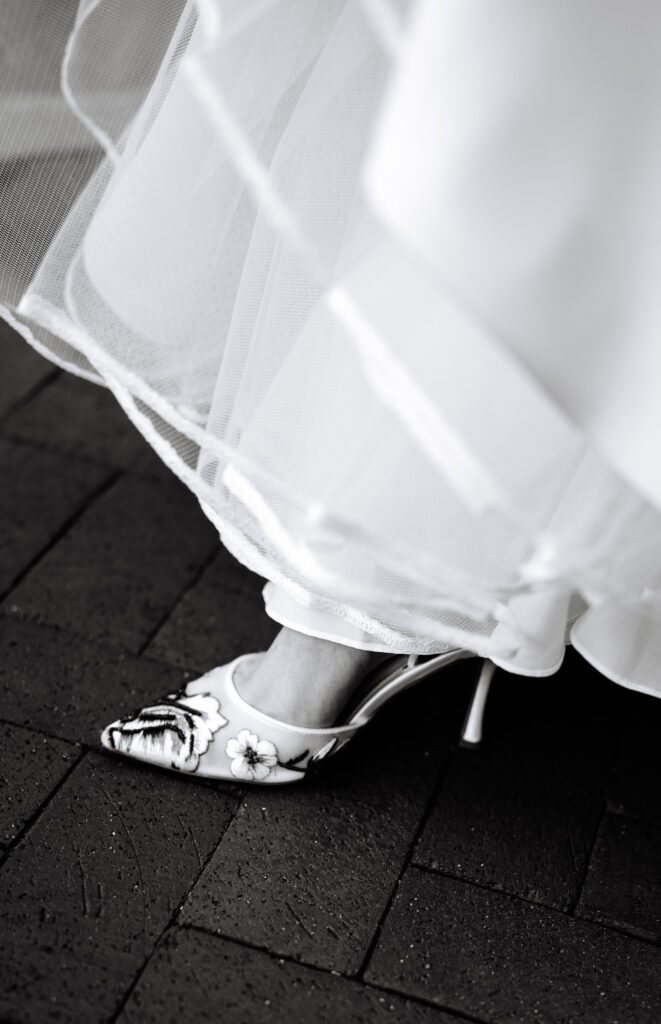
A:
[378, 282]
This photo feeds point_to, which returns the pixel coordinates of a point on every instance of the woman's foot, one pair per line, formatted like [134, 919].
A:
[301, 683]
[303, 680]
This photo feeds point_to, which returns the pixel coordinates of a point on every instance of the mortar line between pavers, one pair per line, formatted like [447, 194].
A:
[450, 1011]
[164, 659]
[609, 774]
[49, 735]
[575, 918]
[44, 448]
[171, 924]
[118, 647]
[161, 662]
[287, 958]
[36, 814]
[424, 818]
[44, 733]
[33, 619]
[642, 819]
[93, 748]
[87, 502]
[50, 378]
[586, 867]
[633, 933]
[626, 933]
[177, 601]
[115, 647]
[441, 873]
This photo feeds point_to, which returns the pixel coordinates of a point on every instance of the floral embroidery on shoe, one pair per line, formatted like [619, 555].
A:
[173, 733]
[251, 758]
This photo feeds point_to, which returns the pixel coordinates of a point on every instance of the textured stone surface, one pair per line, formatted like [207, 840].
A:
[78, 418]
[496, 958]
[149, 465]
[520, 813]
[87, 892]
[122, 566]
[220, 617]
[307, 871]
[72, 688]
[40, 492]
[634, 787]
[623, 885]
[23, 369]
[31, 766]
[236, 985]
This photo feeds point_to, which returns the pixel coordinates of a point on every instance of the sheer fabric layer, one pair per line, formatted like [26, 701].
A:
[371, 286]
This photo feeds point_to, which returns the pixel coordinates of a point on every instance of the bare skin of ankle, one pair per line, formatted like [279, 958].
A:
[303, 680]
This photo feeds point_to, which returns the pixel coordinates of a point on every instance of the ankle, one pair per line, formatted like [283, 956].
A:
[304, 680]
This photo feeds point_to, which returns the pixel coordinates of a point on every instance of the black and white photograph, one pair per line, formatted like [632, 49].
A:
[330, 512]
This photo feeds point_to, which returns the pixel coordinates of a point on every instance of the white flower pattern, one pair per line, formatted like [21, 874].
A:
[177, 731]
[251, 759]
[172, 733]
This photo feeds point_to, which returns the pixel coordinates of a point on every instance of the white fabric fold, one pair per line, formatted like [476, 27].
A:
[379, 284]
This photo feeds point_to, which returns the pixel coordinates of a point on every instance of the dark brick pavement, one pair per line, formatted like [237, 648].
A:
[415, 882]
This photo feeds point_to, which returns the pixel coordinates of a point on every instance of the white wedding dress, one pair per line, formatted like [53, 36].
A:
[378, 282]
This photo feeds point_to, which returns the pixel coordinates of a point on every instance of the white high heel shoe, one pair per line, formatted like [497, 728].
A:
[209, 731]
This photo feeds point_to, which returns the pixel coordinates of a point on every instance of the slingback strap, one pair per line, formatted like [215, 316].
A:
[471, 734]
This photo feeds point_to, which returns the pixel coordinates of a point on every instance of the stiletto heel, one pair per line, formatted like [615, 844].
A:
[471, 734]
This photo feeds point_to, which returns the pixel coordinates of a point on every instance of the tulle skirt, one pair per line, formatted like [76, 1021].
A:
[378, 282]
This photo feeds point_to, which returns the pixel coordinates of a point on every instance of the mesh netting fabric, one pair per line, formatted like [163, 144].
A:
[377, 282]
